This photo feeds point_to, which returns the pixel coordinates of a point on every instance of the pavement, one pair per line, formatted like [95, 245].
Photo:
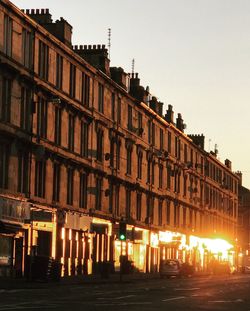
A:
[22, 283]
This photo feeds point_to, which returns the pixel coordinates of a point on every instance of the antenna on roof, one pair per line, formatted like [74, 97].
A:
[216, 151]
[133, 65]
[109, 40]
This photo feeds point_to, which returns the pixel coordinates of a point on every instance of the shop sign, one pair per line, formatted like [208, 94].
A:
[43, 216]
[99, 228]
[14, 210]
[154, 239]
[77, 222]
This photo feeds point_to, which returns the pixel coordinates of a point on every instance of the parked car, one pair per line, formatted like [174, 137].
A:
[221, 267]
[187, 269]
[170, 267]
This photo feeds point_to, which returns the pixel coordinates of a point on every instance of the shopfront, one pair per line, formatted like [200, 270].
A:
[14, 226]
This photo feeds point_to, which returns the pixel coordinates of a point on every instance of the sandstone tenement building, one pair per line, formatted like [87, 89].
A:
[83, 146]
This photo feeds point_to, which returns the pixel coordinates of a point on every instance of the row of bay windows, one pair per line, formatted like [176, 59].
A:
[133, 199]
[189, 185]
[80, 179]
[213, 198]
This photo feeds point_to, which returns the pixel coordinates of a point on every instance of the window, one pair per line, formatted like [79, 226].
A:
[56, 181]
[112, 152]
[130, 118]
[149, 131]
[99, 149]
[58, 125]
[168, 212]
[42, 117]
[138, 206]
[8, 29]
[161, 139]
[129, 160]
[192, 156]
[153, 134]
[5, 103]
[27, 49]
[85, 89]
[84, 139]
[100, 97]
[98, 198]
[4, 165]
[115, 153]
[59, 71]
[176, 214]
[72, 81]
[149, 170]
[128, 203]
[83, 190]
[148, 210]
[140, 128]
[160, 212]
[113, 106]
[153, 173]
[169, 142]
[139, 165]
[160, 175]
[169, 173]
[185, 185]
[117, 200]
[43, 60]
[40, 175]
[71, 132]
[23, 169]
[119, 104]
[185, 153]
[177, 148]
[70, 185]
[152, 209]
[118, 148]
[184, 217]
[191, 218]
[25, 114]
[111, 196]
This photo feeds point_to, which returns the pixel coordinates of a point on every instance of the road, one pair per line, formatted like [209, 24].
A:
[203, 293]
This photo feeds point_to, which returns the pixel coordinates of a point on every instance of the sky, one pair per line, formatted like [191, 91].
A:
[193, 54]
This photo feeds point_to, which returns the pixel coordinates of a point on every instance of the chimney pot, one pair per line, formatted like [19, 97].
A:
[103, 46]
[89, 47]
[47, 11]
[81, 47]
[42, 11]
[94, 46]
[37, 11]
[85, 47]
[32, 11]
[136, 75]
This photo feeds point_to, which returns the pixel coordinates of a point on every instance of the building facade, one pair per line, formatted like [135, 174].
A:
[83, 146]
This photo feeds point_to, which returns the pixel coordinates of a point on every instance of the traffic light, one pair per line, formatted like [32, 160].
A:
[122, 231]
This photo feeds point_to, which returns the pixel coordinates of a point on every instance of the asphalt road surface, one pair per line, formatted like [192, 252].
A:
[203, 293]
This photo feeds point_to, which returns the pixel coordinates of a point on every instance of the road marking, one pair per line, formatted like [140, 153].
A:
[225, 301]
[194, 288]
[123, 303]
[122, 297]
[174, 298]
